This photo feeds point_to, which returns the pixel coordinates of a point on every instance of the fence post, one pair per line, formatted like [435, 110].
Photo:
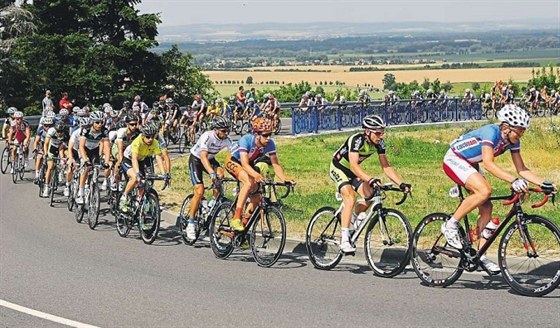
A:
[293, 122]
[339, 118]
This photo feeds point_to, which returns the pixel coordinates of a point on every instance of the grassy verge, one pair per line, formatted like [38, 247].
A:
[416, 154]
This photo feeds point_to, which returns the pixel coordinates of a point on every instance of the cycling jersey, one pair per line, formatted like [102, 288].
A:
[75, 136]
[122, 135]
[210, 143]
[215, 110]
[141, 149]
[357, 143]
[19, 130]
[68, 122]
[196, 105]
[93, 138]
[56, 139]
[469, 146]
[247, 144]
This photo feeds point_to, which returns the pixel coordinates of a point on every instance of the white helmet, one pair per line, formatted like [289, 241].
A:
[63, 112]
[514, 116]
[47, 121]
[107, 109]
[362, 93]
[430, 91]
[467, 90]
[18, 114]
[532, 90]
[50, 114]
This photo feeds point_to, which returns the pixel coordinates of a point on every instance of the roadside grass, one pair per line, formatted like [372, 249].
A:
[416, 154]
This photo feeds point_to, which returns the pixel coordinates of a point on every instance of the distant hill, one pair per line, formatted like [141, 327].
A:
[303, 31]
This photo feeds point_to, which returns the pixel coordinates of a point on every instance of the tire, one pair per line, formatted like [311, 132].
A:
[387, 243]
[79, 213]
[322, 239]
[531, 275]
[70, 201]
[122, 221]
[41, 180]
[94, 205]
[150, 217]
[183, 146]
[184, 222]
[278, 127]
[16, 168]
[238, 127]
[22, 167]
[245, 128]
[53, 184]
[434, 268]
[221, 235]
[268, 237]
[5, 160]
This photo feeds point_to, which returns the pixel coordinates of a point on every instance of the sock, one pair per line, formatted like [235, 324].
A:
[452, 222]
[191, 220]
[345, 235]
[81, 191]
[237, 214]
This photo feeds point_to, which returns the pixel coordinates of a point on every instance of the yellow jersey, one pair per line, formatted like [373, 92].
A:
[139, 147]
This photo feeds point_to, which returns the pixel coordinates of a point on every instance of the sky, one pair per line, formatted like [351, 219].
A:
[186, 12]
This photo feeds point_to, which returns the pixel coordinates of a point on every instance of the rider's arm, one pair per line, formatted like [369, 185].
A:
[353, 158]
[4, 128]
[106, 150]
[389, 170]
[160, 163]
[246, 166]
[27, 136]
[492, 167]
[167, 160]
[278, 169]
[206, 162]
[523, 171]
[82, 149]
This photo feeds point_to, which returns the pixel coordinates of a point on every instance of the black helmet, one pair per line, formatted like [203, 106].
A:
[155, 104]
[131, 117]
[373, 122]
[221, 123]
[149, 129]
[126, 104]
[59, 126]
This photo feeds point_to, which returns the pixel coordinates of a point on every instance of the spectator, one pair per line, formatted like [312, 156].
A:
[64, 102]
[47, 103]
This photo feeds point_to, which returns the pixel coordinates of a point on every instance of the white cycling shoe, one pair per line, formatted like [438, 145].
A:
[452, 235]
[489, 266]
[346, 247]
[191, 231]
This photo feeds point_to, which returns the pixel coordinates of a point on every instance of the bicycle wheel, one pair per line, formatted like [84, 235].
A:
[53, 184]
[150, 218]
[94, 204]
[278, 126]
[435, 264]
[184, 214]
[387, 243]
[5, 160]
[268, 237]
[245, 128]
[71, 194]
[122, 220]
[41, 181]
[221, 235]
[322, 239]
[79, 213]
[183, 146]
[22, 167]
[534, 271]
[15, 168]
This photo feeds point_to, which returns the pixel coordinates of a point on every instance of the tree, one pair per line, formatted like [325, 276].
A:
[475, 86]
[389, 81]
[447, 86]
[426, 84]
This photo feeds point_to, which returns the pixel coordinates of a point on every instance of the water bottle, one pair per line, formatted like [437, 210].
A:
[359, 219]
[204, 206]
[235, 191]
[211, 203]
[490, 228]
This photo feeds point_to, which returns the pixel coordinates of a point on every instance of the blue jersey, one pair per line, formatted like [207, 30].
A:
[469, 146]
[69, 122]
[247, 144]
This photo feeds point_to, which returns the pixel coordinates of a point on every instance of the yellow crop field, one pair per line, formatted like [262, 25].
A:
[337, 73]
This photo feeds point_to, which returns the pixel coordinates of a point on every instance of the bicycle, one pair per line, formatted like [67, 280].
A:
[203, 213]
[73, 189]
[53, 185]
[186, 138]
[387, 240]
[91, 197]
[144, 210]
[18, 164]
[6, 158]
[528, 242]
[265, 230]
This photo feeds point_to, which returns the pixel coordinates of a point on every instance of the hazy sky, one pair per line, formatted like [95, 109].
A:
[180, 12]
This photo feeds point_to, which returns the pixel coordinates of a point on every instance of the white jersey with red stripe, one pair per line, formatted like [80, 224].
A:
[469, 145]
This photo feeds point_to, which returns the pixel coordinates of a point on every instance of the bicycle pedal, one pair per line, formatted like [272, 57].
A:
[349, 253]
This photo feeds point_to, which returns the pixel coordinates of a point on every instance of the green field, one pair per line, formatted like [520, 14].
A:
[415, 153]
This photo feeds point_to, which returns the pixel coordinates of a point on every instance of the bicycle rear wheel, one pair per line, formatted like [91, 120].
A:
[183, 146]
[184, 215]
[387, 243]
[79, 213]
[278, 126]
[53, 185]
[221, 234]
[5, 160]
[94, 205]
[268, 237]
[322, 239]
[41, 180]
[532, 271]
[150, 217]
[435, 263]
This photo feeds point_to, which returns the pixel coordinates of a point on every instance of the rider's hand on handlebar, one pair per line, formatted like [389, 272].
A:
[519, 185]
[374, 183]
[259, 178]
[290, 181]
[405, 187]
[548, 187]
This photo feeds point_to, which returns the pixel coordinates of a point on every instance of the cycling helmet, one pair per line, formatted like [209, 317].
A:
[220, 123]
[532, 90]
[391, 92]
[362, 93]
[219, 100]
[261, 124]
[149, 129]
[107, 110]
[131, 117]
[106, 105]
[430, 91]
[467, 90]
[265, 96]
[50, 114]
[342, 99]
[63, 112]
[318, 95]
[114, 114]
[75, 109]
[11, 110]
[96, 117]
[373, 122]
[47, 121]
[84, 121]
[442, 92]
[137, 98]
[231, 99]
[169, 101]
[82, 112]
[155, 104]
[59, 126]
[126, 104]
[18, 114]
[514, 116]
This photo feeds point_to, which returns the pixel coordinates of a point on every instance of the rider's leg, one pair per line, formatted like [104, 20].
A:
[247, 184]
[50, 165]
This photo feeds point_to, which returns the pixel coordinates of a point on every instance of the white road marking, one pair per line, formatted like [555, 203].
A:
[46, 316]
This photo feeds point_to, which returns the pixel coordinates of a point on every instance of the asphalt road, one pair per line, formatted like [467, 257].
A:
[49, 263]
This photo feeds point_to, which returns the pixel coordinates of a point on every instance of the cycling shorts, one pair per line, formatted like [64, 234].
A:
[126, 164]
[93, 155]
[196, 168]
[343, 176]
[53, 151]
[458, 169]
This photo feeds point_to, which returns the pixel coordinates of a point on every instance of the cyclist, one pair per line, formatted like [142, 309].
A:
[199, 105]
[240, 99]
[172, 117]
[74, 147]
[64, 117]
[54, 144]
[272, 109]
[202, 159]
[136, 157]
[364, 98]
[92, 141]
[216, 109]
[124, 138]
[346, 172]
[8, 122]
[431, 97]
[44, 126]
[240, 164]
[20, 133]
[321, 102]
[462, 164]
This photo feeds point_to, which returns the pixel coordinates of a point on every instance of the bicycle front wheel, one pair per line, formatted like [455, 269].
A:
[322, 239]
[221, 234]
[387, 243]
[268, 237]
[184, 215]
[531, 266]
[436, 263]
[53, 184]
[15, 169]
[151, 218]
[94, 205]
[5, 160]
